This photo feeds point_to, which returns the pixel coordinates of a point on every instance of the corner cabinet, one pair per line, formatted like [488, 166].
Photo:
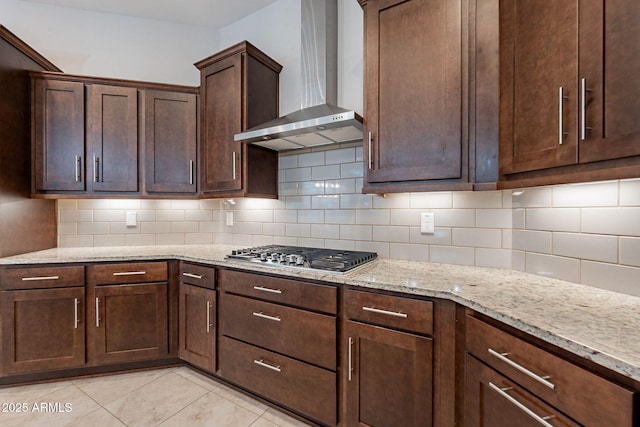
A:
[570, 91]
[418, 98]
[238, 90]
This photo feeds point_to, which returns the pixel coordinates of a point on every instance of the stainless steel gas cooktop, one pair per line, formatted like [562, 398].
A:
[334, 260]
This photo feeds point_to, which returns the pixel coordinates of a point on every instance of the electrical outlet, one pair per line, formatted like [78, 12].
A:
[131, 219]
[427, 223]
[229, 219]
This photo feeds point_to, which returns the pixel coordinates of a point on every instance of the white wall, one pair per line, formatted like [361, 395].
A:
[108, 45]
[275, 29]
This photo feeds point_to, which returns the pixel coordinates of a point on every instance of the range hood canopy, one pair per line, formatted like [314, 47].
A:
[319, 121]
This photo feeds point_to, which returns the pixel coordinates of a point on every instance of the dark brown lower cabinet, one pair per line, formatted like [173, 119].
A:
[492, 400]
[197, 326]
[128, 322]
[43, 329]
[388, 378]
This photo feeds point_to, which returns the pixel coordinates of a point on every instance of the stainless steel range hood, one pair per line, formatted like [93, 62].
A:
[319, 121]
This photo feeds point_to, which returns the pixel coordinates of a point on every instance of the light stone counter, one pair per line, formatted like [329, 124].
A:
[596, 324]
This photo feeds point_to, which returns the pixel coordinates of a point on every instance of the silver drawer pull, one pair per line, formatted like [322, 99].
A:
[266, 316]
[209, 325]
[503, 392]
[503, 357]
[388, 313]
[263, 289]
[32, 279]
[350, 358]
[130, 273]
[193, 276]
[75, 313]
[97, 312]
[264, 364]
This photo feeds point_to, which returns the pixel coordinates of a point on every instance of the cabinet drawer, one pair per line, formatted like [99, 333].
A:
[198, 275]
[301, 294]
[396, 312]
[306, 389]
[130, 272]
[297, 333]
[586, 397]
[41, 277]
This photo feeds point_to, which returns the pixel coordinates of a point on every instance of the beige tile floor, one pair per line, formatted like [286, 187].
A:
[163, 397]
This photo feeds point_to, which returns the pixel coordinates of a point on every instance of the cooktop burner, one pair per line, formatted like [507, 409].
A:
[299, 257]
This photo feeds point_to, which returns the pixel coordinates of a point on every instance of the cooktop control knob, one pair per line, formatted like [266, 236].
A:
[263, 256]
[275, 256]
[299, 260]
[283, 258]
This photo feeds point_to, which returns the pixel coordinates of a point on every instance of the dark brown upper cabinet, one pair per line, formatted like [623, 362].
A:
[93, 136]
[419, 96]
[112, 126]
[238, 90]
[170, 141]
[570, 91]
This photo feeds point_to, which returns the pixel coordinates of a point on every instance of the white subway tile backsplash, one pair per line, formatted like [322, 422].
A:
[297, 175]
[311, 159]
[185, 204]
[310, 242]
[341, 216]
[409, 252]
[108, 215]
[288, 162]
[351, 170]
[356, 201]
[184, 227]
[630, 251]
[553, 219]
[170, 215]
[477, 200]
[497, 258]
[532, 241]
[109, 240]
[586, 195]
[288, 188]
[437, 200]
[356, 232]
[170, 239]
[66, 204]
[311, 187]
[198, 238]
[442, 236]
[155, 227]
[391, 234]
[342, 155]
[404, 217]
[372, 216]
[298, 230]
[630, 192]
[586, 246]
[285, 216]
[155, 204]
[392, 201]
[325, 231]
[518, 260]
[311, 216]
[537, 197]
[75, 216]
[494, 218]
[340, 186]
[67, 228]
[381, 248]
[329, 201]
[618, 221]
[140, 240]
[273, 229]
[477, 237]
[75, 241]
[553, 266]
[94, 204]
[93, 228]
[125, 204]
[454, 217]
[618, 278]
[452, 255]
[347, 245]
[298, 202]
[198, 215]
[121, 228]
[326, 172]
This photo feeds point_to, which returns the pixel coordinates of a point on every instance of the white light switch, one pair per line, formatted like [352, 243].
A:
[427, 223]
[229, 219]
[131, 219]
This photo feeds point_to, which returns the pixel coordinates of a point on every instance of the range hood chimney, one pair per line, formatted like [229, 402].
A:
[319, 121]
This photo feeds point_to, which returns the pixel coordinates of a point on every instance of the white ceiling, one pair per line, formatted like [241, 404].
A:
[214, 13]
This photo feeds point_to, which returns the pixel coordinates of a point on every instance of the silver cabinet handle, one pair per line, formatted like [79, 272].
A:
[264, 364]
[263, 289]
[78, 168]
[370, 156]
[266, 316]
[190, 172]
[96, 168]
[561, 99]
[97, 312]
[233, 165]
[387, 312]
[208, 316]
[583, 109]
[350, 361]
[503, 357]
[130, 273]
[75, 313]
[193, 276]
[36, 278]
[503, 392]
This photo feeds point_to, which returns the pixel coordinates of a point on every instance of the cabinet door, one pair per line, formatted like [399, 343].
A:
[127, 323]
[610, 65]
[170, 141]
[413, 101]
[58, 135]
[198, 326]
[539, 88]
[492, 400]
[222, 119]
[388, 377]
[113, 129]
[43, 329]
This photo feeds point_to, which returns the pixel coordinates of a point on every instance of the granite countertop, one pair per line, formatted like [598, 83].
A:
[596, 324]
